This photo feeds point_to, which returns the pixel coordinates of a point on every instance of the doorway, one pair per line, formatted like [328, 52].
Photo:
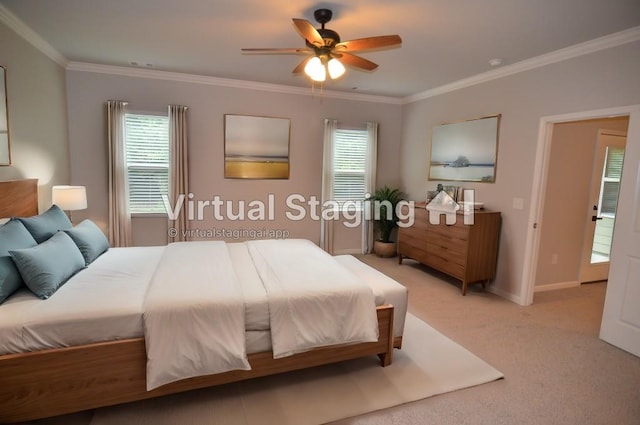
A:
[565, 221]
[621, 318]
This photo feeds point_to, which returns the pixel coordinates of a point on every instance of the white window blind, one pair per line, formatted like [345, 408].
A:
[147, 147]
[611, 181]
[349, 165]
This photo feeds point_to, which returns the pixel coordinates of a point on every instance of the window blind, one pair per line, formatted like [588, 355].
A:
[611, 180]
[147, 151]
[349, 165]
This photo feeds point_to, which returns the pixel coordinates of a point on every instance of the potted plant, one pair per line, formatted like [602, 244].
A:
[383, 198]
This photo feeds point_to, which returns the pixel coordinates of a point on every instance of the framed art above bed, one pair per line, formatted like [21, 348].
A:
[256, 147]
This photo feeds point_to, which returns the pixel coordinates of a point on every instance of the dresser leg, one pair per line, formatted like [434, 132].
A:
[399, 258]
[464, 287]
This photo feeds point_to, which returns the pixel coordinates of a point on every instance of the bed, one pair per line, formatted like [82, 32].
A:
[43, 377]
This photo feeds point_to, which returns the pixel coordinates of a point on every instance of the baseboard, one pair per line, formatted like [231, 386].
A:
[504, 294]
[556, 286]
[347, 252]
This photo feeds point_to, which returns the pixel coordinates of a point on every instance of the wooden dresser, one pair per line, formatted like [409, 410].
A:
[467, 252]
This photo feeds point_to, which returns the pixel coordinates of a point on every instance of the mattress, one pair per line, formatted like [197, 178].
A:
[104, 302]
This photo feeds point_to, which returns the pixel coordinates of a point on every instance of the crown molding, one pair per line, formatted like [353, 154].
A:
[601, 43]
[592, 46]
[223, 82]
[20, 28]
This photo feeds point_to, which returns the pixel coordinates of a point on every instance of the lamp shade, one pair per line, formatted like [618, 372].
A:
[315, 69]
[336, 69]
[69, 198]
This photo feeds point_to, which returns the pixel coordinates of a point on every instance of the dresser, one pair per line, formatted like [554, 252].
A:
[466, 252]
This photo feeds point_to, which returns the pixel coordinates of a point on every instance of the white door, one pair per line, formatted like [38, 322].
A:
[601, 211]
[621, 316]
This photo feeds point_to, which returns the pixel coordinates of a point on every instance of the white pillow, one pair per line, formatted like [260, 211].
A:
[4, 221]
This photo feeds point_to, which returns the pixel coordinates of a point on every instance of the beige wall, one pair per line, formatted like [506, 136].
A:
[88, 92]
[605, 79]
[567, 198]
[37, 115]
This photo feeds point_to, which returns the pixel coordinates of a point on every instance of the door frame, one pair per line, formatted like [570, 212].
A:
[539, 184]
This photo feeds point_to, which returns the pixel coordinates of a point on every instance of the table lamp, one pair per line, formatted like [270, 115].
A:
[69, 198]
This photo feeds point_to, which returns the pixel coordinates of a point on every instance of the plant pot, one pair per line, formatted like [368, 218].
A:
[384, 249]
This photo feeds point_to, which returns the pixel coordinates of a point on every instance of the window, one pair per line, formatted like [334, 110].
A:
[610, 184]
[147, 158]
[349, 165]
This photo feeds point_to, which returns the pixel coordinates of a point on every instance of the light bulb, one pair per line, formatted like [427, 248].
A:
[336, 68]
[315, 69]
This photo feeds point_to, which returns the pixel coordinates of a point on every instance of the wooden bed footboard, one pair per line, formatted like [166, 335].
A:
[58, 381]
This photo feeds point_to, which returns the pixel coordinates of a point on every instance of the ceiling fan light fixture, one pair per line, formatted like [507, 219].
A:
[315, 69]
[336, 68]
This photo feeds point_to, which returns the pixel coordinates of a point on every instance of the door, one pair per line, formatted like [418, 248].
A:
[621, 316]
[605, 184]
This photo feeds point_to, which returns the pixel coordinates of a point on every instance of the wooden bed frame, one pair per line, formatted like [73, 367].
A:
[53, 382]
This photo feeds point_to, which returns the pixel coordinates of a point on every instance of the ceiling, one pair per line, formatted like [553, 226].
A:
[443, 40]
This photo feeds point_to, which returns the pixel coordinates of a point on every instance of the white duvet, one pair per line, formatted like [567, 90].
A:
[194, 314]
[198, 303]
[313, 300]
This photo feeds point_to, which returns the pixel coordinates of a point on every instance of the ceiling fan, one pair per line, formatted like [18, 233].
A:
[326, 53]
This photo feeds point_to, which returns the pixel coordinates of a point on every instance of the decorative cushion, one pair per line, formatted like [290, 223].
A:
[45, 225]
[90, 240]
[46, 267]
[13, 235]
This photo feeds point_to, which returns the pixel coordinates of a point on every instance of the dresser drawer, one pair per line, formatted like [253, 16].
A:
[453, 241]
[446, 265]
[449, 253]
[454, 231]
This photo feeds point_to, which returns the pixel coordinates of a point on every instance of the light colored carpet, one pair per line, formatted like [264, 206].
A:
[428, 364]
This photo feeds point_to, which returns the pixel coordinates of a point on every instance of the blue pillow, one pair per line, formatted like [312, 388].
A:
[46, 267]
[90, 240]
[45, 225]
[13, 235]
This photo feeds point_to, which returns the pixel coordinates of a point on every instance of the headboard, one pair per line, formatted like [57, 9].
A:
[19, 198]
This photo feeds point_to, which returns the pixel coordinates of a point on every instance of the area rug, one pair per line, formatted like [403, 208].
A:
[428, 364]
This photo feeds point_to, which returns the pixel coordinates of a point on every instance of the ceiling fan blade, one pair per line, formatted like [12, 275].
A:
[284, 51]
[307, 31]
[298, 69]
[357, 61]
[369, 43]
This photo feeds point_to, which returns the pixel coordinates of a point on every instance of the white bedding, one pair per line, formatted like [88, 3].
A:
[105, 301]
[313, 300]
[100, 303]
[193, 314]
[255, 297]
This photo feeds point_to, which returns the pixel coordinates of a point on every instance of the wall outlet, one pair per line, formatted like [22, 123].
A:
[554, 258]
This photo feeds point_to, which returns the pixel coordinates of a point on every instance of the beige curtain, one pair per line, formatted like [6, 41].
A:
[119, 215]
[370, 182]
[178, 168]
[326, 226]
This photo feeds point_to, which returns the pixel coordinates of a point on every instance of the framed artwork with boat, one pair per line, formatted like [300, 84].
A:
[465, 150]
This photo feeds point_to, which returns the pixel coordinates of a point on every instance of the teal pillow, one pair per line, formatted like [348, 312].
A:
[90, 240]
[45, 225]
[13, 235]
[46, 267]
